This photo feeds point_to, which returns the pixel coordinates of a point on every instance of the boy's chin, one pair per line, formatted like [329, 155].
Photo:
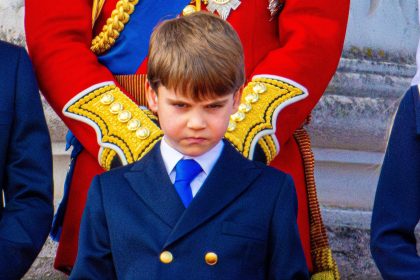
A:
[191, 152]
[194, 150]
[192, 147]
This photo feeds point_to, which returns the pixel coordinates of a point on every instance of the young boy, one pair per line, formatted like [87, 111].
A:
[193, 207]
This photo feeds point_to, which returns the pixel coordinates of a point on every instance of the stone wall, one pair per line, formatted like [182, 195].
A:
[349, 127]
[11, 21]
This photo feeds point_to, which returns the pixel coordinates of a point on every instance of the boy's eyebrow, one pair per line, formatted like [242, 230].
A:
[177, 100]
[220, 101]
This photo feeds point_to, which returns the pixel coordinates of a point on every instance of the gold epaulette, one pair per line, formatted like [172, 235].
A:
[121, 126]
[255, 122]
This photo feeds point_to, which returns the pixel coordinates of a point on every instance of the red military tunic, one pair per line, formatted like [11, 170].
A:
[301, 45]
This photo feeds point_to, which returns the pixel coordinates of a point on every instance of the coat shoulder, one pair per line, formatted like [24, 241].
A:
[268, 173]
[115, 174]
[271, 172]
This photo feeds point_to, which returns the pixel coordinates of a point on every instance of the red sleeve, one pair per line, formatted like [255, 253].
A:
[59, 35]
[311, 40]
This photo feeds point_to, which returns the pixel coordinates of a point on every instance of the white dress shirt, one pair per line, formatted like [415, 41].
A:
[206, 161]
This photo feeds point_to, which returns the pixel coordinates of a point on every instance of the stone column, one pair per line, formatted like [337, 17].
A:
[352, 121]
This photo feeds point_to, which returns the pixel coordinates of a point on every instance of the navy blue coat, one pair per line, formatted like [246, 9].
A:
[245, 213]
[25, 165]
[396, 210]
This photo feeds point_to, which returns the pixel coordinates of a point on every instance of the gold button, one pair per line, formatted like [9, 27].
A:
[231, 126]
[188, 10]
[251, 98]
[259, 88]
[142, 133]
[107, 99]
[116, 107]
[245, 107]
[238, 116]
[124, 116]
[166, 257]
[133, 124]
[211, 258]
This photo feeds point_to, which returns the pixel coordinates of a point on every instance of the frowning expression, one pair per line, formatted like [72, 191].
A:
[192, 127]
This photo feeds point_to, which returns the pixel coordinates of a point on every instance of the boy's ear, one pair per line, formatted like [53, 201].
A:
[237, 99]
[151, 96]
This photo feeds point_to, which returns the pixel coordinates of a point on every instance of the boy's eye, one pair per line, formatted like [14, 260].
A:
[179, 105]
[214, 106]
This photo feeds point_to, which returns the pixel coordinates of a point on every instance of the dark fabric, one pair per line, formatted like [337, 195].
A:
[396, 210]
[25, 165]
[245, 212]
[57, 224]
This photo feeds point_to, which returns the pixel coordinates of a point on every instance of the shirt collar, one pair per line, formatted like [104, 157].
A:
[207, 160]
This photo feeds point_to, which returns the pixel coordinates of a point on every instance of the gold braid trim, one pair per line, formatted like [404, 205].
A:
[325, 264]
[106, 158]
[113, 27]
[96, 10]
[325, 267]
[257, 114]
[269, 147]
[123, 127]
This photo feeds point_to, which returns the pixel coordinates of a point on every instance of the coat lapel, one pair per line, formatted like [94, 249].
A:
[230, 177]
[149, 179]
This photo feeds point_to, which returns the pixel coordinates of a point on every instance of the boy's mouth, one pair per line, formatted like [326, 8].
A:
[195, 140]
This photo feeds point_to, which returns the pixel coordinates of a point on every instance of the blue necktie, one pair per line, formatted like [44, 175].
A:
[186, 170]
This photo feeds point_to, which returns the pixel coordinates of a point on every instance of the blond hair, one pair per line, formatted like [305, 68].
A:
[198, 56]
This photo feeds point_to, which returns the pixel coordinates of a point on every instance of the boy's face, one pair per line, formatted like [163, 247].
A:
[192, 127]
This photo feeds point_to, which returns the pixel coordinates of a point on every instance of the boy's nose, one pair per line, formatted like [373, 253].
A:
[196, 122]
